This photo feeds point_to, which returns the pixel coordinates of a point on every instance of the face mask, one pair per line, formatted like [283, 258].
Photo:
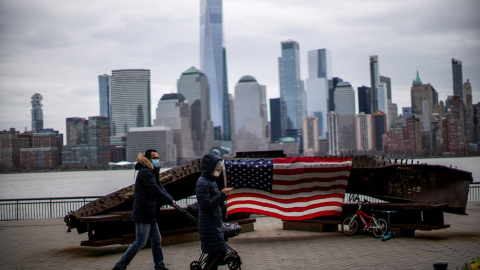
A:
[156, 163]
[216, 173]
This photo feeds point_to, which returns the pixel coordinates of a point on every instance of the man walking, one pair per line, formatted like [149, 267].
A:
[148, 190]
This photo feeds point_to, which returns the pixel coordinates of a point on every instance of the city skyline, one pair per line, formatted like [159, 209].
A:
[61, 59]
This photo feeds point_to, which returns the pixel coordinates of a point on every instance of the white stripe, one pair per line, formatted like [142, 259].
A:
[308, 185]
[284, 205]
[287, 197]
[310, 175]
[300, 165]
[289, 214]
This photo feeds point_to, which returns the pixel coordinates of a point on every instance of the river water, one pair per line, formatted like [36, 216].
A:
[100, 183]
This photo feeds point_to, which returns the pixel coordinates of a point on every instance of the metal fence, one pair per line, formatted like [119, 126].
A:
[38, 208]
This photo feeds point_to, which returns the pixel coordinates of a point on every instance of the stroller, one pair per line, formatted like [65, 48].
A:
[232, 259]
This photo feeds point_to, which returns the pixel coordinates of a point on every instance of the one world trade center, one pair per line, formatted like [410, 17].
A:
[213, 64]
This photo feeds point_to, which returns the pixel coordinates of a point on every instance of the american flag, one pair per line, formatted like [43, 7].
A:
[295, 188]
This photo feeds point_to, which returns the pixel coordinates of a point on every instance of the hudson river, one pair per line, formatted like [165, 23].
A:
[100, 183]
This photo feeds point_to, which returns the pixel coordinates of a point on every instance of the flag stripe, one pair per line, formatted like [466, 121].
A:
[326, 211]
[308, 189]
[283, 199]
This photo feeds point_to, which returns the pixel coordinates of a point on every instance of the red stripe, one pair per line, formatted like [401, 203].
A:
[309, 189]
[311, 159]
[290, 209]
[284, 217]
[292, 200]
[287, 171]
[308, 180]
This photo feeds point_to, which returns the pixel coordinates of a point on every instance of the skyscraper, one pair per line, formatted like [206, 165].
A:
[37, 112]
[104, 94]
[382, 101]
[193, 85]
[374, 80]
[292, 92]
[364, 99]
[345, 108]
[213, 64]
[130, 102]
[457, 78]
[310, 136]
[250, 115]
[469, 125]
[174, 112]
[275, 120]
[319, 74]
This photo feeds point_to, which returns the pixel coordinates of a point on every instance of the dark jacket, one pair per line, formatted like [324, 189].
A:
[211, 201]
[147, 192]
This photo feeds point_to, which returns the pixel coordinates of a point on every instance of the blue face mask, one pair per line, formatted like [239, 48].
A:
[156, 163]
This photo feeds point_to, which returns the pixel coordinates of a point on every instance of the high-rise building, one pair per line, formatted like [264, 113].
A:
[250, 114]
[331, 90]
[77, 131]
[344, 99]
[374, 80]
[382, 101]
[292, 92]
[363, 132]
[332, 121]
[388, 85]
[275, 120]
[319, 75]
[420, 92]
[159, 138]
[311, 143]
[37, 112]
[104, 94]
[98, 137]
[345, 108]
[469, 126]
[130, 102]
[173, 112]
[457, 75]
[406, 113]
[213, 64]
[457, 110]
[379, 121]
[193, 85]
[364, 99]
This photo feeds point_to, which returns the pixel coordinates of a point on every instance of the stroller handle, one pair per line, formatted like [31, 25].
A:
[186, 213]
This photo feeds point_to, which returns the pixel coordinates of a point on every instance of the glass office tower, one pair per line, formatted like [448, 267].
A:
[292, 93]
[104, 94]
[319, 74]
[130, 102]
[457, 78]
[213, 64]
[374, 80]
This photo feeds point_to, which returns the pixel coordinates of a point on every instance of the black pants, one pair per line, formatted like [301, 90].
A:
[213, 260]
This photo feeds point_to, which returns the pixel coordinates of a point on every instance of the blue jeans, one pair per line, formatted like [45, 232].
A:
[143, 232]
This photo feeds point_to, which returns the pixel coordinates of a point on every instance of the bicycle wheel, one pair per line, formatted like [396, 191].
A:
[380, 228]
[350, 226]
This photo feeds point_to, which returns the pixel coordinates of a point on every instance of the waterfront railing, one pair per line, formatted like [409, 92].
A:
[39, 208]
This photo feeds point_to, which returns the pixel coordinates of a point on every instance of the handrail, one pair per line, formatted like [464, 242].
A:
[57, 207]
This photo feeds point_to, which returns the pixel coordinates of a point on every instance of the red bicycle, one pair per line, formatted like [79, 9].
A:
[377, 226]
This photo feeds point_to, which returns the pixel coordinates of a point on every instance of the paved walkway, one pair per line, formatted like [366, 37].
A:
[44, 244]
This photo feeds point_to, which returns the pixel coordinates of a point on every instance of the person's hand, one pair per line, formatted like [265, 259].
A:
[226, 191]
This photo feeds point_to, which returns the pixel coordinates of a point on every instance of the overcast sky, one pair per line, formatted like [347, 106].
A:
[59, 47]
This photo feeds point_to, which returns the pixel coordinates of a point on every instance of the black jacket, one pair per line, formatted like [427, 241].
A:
[147, 192]
[211, 201]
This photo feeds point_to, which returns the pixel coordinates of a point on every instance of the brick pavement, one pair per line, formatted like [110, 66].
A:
[44, 244]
